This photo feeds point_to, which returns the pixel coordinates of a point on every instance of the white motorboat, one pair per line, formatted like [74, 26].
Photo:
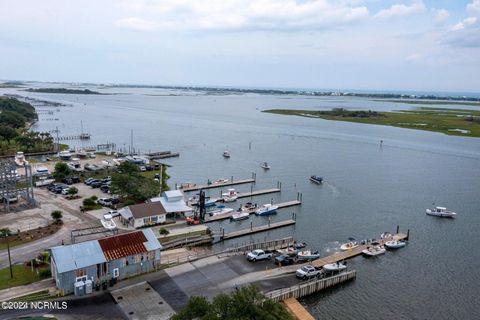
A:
[266, 210]
[230, 196]
[308, 255]
[349, 245]
[337, 266]
[107, 222]
[265, 166]
[20, 159]
[441, 212]
[395, 244]
[219, 211]
[226, 154]
[316, 179]
[240, 215]
[65, 155]
[372, 251]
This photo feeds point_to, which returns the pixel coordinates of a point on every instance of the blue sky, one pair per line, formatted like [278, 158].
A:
[344, 44]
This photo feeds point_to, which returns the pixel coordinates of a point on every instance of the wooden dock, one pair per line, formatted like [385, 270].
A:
[242, 195]
[266, 227]
[216, 185]
[297, 310]
[251, 211]
[344, 255]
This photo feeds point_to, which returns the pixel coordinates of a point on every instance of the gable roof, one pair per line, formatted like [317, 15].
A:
[123, 245]
[77, 256]
[144, 210]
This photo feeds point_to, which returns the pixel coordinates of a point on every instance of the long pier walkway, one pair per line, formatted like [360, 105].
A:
[216, 185]
[251, 230]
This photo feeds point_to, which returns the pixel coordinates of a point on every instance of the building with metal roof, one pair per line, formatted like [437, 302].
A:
[98, 261]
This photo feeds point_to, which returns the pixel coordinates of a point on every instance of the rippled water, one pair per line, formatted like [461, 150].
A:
[369, 188]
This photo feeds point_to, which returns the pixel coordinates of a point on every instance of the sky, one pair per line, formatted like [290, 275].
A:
[319, 44]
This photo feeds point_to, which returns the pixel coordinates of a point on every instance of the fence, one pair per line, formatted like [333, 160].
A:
[306, 288]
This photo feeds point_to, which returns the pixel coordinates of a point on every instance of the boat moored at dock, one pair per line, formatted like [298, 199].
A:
[395, 244]
[308, 255]
[349, 245]
[441, 212]
[372, 251]
[240, 215]
[266, 209]
[230, 196]
[335, 267]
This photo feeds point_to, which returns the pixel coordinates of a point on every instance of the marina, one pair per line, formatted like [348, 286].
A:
[216, 184]
[251, 230]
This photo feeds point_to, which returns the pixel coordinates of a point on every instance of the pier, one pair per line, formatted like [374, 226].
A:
[161, 155]
[251, 211]
[216, 185]
[251, 230]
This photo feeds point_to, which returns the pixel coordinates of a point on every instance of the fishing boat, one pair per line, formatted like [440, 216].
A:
[20, 159]
[219, 210]
[65, 155]
[265, 166]
[395, 244]
[441, 212]
[226, 154]
[230, 196]
[334, 267]
[372, 251]
[266, 209]
[349, 245]
[308, 255]
[240, 215]
[316, 179]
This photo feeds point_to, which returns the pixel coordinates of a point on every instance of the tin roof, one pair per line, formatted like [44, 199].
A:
[152, 241]
[77, 256]
[123, 245]
[147, 210]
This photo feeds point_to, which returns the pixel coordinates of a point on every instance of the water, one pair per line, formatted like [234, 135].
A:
[369, 188]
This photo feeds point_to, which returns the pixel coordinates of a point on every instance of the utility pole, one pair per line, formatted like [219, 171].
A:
[9, 258]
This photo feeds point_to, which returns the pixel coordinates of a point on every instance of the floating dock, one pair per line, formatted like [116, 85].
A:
[242, 195]
[251, 211]
[251, 230]
[216, 185]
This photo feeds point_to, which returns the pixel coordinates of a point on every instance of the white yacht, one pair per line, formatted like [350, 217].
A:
[349, 245]
[266, 209]
[395, 244]
[337, 266]
[441, 212]
[372, 251]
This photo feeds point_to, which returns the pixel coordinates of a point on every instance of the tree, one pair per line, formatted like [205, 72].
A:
[61, 171]
[164, 232]
[129, 183]
[244, 303]
[72, 191]
[57, 216]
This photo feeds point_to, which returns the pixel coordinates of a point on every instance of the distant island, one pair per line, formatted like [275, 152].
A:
[458, 122]
[62, 90]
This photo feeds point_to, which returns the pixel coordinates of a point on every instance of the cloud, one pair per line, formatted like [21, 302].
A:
[464, 23]
[413, 57]
[441, 15]
[136, 23]
[474, 6]
[398, 10]
[239, 14]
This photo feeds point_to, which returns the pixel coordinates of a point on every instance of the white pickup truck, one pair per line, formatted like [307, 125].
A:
[307, 272]
[258, 254]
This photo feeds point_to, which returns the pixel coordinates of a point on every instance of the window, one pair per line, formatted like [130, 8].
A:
[154, 219]
[138, 258]
[125, 262]
[116, 273]
[81, 272]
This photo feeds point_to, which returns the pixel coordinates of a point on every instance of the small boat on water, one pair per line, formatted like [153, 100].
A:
[441, 212]
[20, 159]
[230, 196]
[395, 244]
[220, 210]
[333, 267]
[316, 179]
[308, 255]
[226, 154]
[240, 215]
[65, 155]
[266, 209]
[265, 166]
[290, 251]
[372, 251]
[349, 245]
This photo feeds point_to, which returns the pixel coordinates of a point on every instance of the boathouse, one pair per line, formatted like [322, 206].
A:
[97, 261]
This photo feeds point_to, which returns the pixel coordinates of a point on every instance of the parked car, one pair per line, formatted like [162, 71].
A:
[257, 255]
[11, 197]
[284, 260]
[106, 202]
[143, 168]
[105, 188]
[65, 191]
[307, 272]
[89, 180]
[115, 200]
[96, 184]
[113, 213]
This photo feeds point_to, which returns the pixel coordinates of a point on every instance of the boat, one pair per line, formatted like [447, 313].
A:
[83, 135]
[308, 255]
[81, 153]
[75, 166]
[230, 196]
[441, 212]
[107, 222]
[332, 267]
[226, 154]
[219, 211]
[65, 155]
[299, 245]
[290, 251]
[395, 244]
[266, 209]
[316, 179]
[265, 166]
[20, 159]
[349, 245]
[240, 215]
[372, 251]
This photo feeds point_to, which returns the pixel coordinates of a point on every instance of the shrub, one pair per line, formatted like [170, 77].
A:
[88, 202]
[164, 231]
[45, 273]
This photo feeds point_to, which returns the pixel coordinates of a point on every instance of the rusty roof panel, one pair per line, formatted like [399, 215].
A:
[123, 245]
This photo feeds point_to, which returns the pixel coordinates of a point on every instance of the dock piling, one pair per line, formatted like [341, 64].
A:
[398, 228]
[408, 234]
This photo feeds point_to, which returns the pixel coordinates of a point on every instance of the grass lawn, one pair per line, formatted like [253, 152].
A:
[444, 120]
[21, 275]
